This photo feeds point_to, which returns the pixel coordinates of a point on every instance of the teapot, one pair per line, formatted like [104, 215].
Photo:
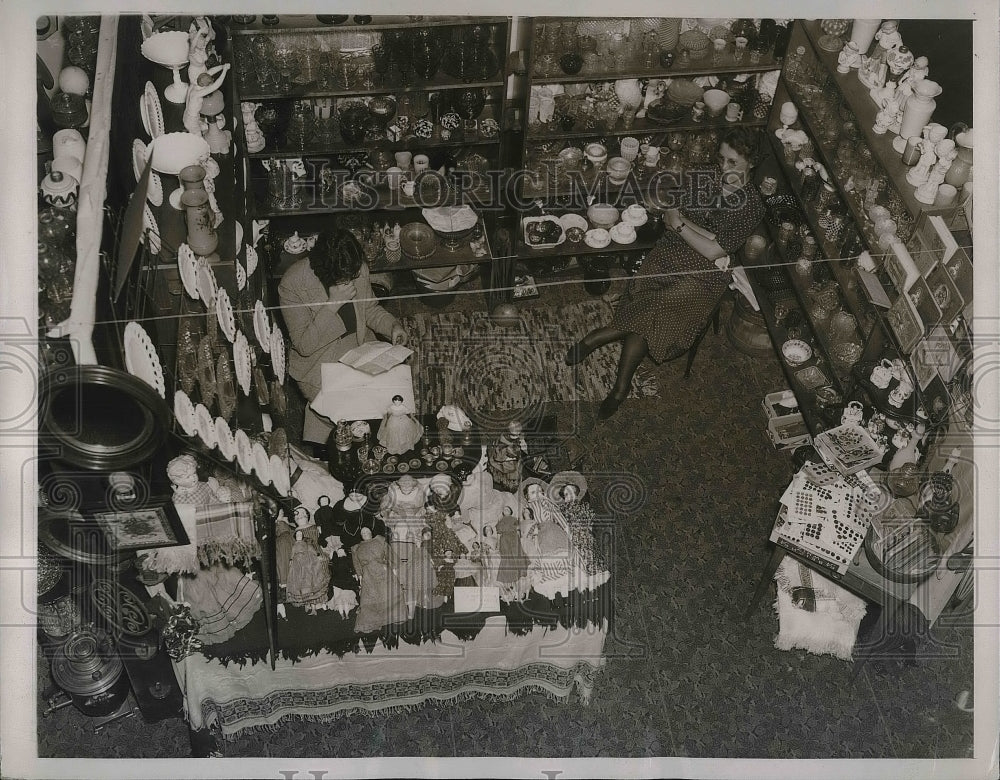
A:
[882, 374]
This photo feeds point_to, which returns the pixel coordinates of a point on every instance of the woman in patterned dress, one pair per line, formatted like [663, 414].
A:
[680, 280]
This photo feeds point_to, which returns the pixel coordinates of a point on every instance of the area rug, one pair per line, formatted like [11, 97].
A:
[466, 358]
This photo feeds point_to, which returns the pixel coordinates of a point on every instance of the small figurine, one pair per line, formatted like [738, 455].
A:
[207, 82]
[182, 472]
[849, 57]
[445, 586]
[200, 49]
[400, 430]
[918, 174]
[284, 539]
[254, 135]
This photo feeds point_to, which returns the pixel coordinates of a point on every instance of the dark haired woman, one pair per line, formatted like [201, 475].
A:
[329, 308]
[680, 281]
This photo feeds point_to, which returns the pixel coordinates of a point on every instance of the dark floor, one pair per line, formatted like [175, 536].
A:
[686, 673]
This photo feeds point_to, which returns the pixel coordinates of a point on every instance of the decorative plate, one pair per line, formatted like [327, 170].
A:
[279, 474]
[251, 260]
[415, 463]
[796, 351]
[261, 463]
[244, 451]
[664, 112]
[573, 220]
[224, 311]
[241, 276]
[238, 232]
[184, 412]
[261, 326]
[242, 360]
[141, 359]
[278, 352]
[441, 465]
[138, 158]
[224, 439]
[187, 266]
[151, 111]
[207, 285]
[450, 121]
[204, 424]
[402, 468]
[150, 230]
[597, 238]
[622, 236]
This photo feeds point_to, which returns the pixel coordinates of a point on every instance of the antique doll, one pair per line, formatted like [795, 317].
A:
[382, 599]
[308, 575]
[400, 430]
[284, 538]
[513, 565]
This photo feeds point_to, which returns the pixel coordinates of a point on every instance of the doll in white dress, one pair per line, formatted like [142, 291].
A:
[399, 431]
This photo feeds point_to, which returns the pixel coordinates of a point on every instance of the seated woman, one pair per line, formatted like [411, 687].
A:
[680, 281]
[329, 308]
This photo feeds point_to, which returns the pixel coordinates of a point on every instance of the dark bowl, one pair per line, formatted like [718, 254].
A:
[666, 58]
[571, 63]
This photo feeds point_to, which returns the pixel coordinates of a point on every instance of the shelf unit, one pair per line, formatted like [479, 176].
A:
[301, 64]
[542, 141]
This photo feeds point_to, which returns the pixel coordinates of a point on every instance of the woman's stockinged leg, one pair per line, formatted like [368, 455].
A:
[634, 351]
[593, 340]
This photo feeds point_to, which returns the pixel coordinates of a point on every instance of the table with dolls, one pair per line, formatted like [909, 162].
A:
[396, 589]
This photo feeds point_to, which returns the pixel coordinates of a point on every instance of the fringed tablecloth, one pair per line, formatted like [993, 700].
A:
[219, 533]
[496, 664]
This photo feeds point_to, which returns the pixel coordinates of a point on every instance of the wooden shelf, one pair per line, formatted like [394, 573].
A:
[311, 90]
[642, 127]
[703, 67]
[307, 24]
[407, 144]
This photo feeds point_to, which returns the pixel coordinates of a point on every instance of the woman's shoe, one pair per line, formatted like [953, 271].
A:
[608, 407]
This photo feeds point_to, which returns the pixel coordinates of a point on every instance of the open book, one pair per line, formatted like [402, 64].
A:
[375, 357]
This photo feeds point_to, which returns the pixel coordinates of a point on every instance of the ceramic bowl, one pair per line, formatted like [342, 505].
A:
[575, 234]
[573, 221]
[715, 101]
[618, 169]
[596, 152]
[602, 215]
[598, 238]
[174, 151]
[635, 215]
[796, 351]
[166, 48]
[623, 233]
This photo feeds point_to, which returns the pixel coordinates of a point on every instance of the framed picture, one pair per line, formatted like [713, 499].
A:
[905, 323]
[960, 268]
[946, 295]
[900, 268]
[922, 362]
[923, 302]
[873, 288]
[144, 527]
[939, 238]
[920, 251]
[936, 400]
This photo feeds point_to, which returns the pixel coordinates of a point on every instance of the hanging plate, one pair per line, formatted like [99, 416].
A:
[224, 439]
[141, 359]
[261, 326]
[207, 286]
[139, 157]
[241, 276]
[184, 412]
[151, 111]
[150, 230]
[238, 228]
[224, 311]
[261, 463]
[242, 360]
[251, 260]
[154, 190]
[278, 352]
[205, 425]
[279, 474]
[187, 265]
[244, 451]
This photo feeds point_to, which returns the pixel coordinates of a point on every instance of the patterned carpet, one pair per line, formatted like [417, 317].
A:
[468, 359]
[694, 482]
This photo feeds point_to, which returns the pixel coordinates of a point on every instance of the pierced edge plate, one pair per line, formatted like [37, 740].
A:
[139, 155]
[241, 276]
[242, 360]
[207, 285]
[244, 451]
[262, 326]
[151, 111]
[261, 463]
[224, 312]
[279, 474]
[251, 260]
[278, 352]
[205, 425]
[184, 412]
[154, 190]
[151, 230]
[141, 359]
[224, 439]
[187, 266]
